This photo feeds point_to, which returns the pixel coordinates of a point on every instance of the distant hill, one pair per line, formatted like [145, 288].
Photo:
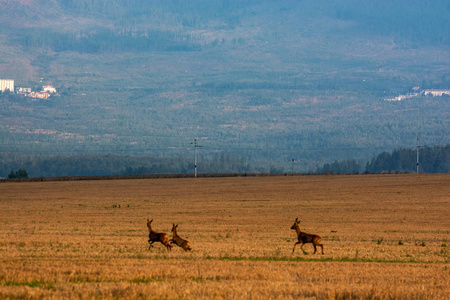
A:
[263, 81]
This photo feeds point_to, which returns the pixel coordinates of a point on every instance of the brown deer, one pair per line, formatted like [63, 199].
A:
[177, 240]
[305, 238]
[154, 236]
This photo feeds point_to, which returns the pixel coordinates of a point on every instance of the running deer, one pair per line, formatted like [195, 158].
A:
[305, 238]
[177, 240]
[154, 236]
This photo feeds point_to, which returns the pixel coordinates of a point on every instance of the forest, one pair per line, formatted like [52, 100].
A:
[257, 83]
[138, 25]
[431, 160]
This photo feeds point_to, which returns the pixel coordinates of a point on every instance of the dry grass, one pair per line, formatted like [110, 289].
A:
[385, 237]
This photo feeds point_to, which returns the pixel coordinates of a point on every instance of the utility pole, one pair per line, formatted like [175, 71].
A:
[195, 156]
[417, 162]
[418, 146]
[293, 160]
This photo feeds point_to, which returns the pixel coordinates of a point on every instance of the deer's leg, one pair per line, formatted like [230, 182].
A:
[151, 244]
[301, 247]
[166, 244]
[295, 245]
[315, 248]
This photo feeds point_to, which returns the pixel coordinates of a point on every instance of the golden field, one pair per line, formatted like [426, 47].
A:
[384, 236]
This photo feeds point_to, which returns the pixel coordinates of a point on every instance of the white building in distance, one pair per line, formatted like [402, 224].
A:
[49, 88]
[436, 93]
[7, 84]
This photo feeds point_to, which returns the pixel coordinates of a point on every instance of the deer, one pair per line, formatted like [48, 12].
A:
[305, 238]
[177, 240]
[154, 236]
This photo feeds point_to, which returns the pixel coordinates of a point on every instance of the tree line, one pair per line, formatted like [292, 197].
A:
[21, 173]
[432, 160]
[101, 165]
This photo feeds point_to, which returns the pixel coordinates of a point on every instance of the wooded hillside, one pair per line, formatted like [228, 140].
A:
[264, 81]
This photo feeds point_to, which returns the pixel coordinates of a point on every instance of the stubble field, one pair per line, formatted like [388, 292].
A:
[384, 236]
